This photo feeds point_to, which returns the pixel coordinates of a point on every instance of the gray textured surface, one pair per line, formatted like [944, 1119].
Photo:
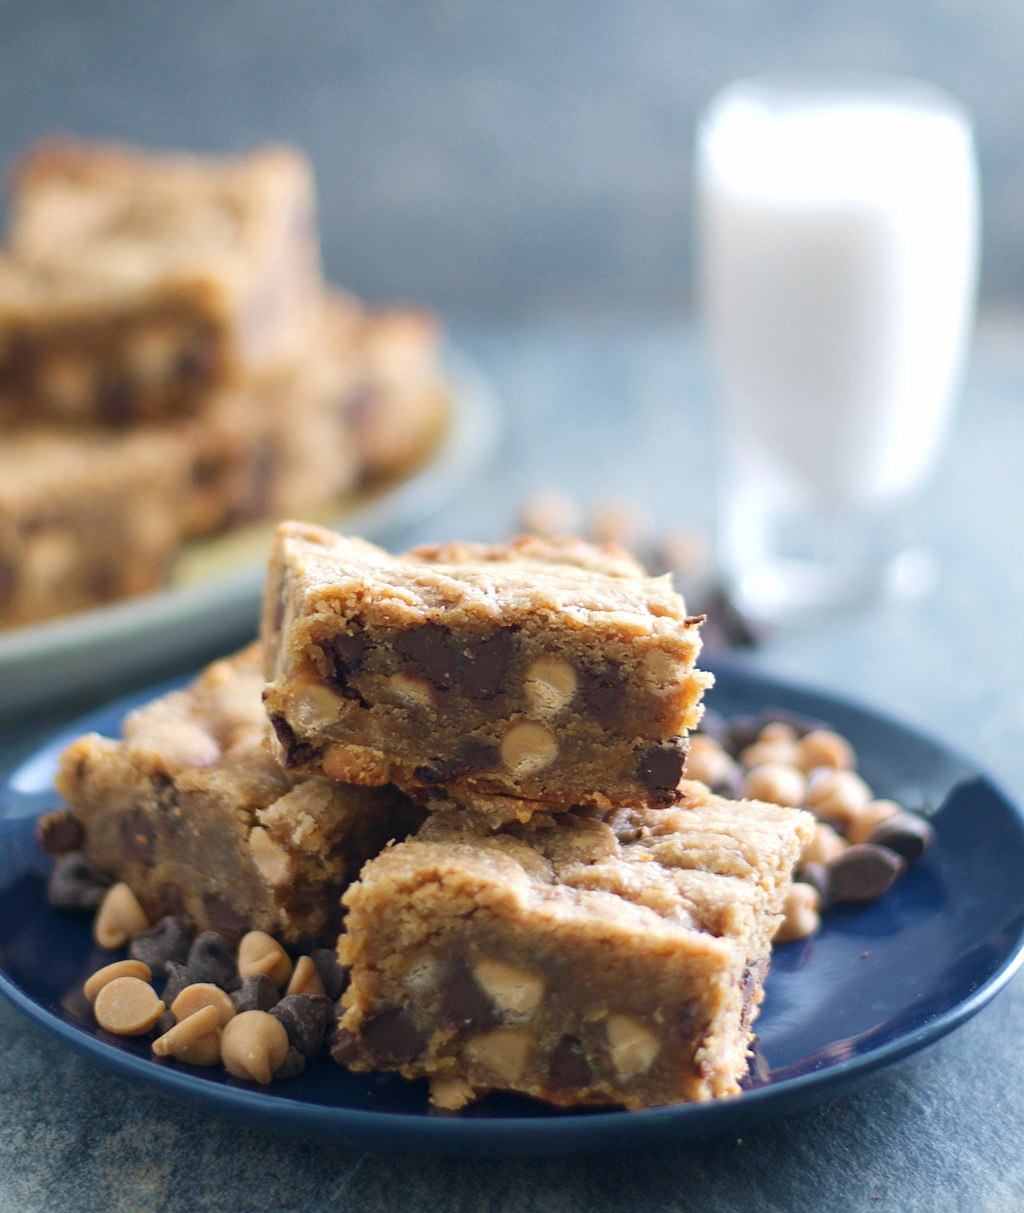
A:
[503, 158]
[625, 410]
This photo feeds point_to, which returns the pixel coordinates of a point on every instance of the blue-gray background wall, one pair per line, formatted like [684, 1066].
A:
[497, 158]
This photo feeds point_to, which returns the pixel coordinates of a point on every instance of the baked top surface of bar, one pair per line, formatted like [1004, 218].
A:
[83, 203]
[613, 957]
[704, 864]
[193, 811]
[568, 579]
[505, 668]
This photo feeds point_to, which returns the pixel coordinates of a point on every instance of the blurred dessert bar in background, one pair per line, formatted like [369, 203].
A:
[140, 283]
[85, 520]
[173, 303]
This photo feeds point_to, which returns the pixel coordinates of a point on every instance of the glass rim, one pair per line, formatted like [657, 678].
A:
[794, 84]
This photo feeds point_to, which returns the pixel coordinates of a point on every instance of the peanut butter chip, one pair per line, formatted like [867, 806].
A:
[509, 987]
[823, 748]
[800, 913]
[195, 1040]
[450, 1093]
[306, 978]
[632, 1044]
[109, 973]
[775, 782]
[269, 858]
[549, 685]
[261, 953]
[528, 747]
[127, 1006]
[119, 918]
[253, 1045]
[203, 994]
[506, 1052]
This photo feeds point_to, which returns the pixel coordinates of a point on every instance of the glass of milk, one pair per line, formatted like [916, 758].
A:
[838, 233]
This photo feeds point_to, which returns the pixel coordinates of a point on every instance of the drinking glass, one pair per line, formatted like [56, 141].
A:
[838, 242]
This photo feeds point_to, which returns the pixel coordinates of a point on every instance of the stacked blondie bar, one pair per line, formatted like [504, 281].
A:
[172, 365]
[481, 751]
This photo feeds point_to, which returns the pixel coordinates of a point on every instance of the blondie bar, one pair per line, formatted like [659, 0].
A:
[138, 283]
[553, 671]
[88, 520]
[601, 957]
[397, 399]
[196, 816]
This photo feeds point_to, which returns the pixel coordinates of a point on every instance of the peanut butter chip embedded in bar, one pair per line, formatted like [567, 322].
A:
[551, 670]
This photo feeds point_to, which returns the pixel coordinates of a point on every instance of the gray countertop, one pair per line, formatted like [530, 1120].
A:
[607, 411]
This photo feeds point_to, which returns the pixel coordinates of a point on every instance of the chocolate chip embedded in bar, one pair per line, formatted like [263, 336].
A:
[597, 957]
[548, 670]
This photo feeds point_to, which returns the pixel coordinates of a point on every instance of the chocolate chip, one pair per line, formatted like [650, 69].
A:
[76, 883]
[464, 1004]
[171, 899]
[306, 1018]
[210, 959]
[905, 833]
[604, 692]
[430, 650]
[224, 918]
[568, 1067]
[474, 756]
[343, 657]
[392, 1037]
[863, 873]
[686, 1018]
[345, 1047]
[816, 875]
[730, 785]
[114, 400]
[138, 838]
[199, 360]
[296, 753]
[294, 1063]
[165, 1023]
[743, 731]
[59, 832]
[660, 768]
[179, 977]
[169, 940]
[333, 975]
[483, 674]
[258, 993]
[753, 979]
[748, 985]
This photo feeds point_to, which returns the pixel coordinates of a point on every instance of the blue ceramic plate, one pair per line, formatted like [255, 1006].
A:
[876, 984]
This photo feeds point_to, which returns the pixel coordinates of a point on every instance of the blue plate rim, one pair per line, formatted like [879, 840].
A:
[570, 1132]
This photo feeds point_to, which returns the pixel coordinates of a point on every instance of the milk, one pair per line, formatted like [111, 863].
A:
[838, 230]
